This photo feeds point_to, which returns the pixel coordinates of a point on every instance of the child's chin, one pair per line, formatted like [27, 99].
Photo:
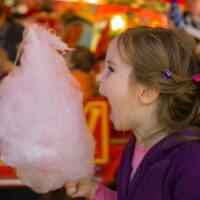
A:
[116, 123]
[117, 126]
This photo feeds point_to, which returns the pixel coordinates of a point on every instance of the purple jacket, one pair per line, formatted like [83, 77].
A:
[169, 171]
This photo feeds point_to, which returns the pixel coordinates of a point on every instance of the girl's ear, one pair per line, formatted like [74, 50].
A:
[148, 95]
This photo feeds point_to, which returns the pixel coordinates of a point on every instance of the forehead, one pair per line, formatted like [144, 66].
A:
[116, 53]
[113, 48]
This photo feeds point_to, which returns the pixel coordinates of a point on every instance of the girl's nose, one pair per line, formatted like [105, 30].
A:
[99, 78]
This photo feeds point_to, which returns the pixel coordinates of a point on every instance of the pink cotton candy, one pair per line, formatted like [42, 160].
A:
[43, 131]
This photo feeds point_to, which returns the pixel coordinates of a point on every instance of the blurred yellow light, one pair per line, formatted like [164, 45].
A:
[117, 23]
[91, 1]
[66, 0]
[80, 1]
[155, 24]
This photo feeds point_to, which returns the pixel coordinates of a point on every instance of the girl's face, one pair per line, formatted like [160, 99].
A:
[116, 86]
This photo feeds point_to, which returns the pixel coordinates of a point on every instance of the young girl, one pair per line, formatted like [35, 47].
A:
[152, 81]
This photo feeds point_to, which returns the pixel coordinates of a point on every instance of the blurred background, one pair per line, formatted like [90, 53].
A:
[88, 26]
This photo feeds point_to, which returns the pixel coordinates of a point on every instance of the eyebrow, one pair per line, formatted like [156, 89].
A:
[110, 62]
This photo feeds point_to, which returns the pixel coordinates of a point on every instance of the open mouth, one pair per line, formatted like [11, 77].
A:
[101, 92]
[110, 105]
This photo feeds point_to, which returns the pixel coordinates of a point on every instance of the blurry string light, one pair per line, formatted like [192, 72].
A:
[118, 23]
[21, 8]
[83, 1]
[91, 1]
[9, 2]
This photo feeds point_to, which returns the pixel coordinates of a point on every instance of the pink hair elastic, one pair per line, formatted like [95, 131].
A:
[196, 77]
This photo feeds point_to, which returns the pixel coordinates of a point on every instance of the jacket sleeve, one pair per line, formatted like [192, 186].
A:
[187, 174]
[104, 193]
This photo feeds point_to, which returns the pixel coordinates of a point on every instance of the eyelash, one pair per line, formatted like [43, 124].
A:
[110, 69]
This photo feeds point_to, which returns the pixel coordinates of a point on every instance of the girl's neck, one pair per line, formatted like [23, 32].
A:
[149, 137]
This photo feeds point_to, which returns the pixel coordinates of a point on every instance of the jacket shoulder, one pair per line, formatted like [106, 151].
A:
[185, 172]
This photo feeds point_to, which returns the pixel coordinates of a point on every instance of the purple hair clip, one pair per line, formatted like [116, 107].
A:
[196, 77]
[168, 73]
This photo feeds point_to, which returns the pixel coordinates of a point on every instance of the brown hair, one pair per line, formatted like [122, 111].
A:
[153, 51]
[82, 59]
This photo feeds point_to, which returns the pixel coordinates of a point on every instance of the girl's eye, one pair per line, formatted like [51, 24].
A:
[110, 69]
